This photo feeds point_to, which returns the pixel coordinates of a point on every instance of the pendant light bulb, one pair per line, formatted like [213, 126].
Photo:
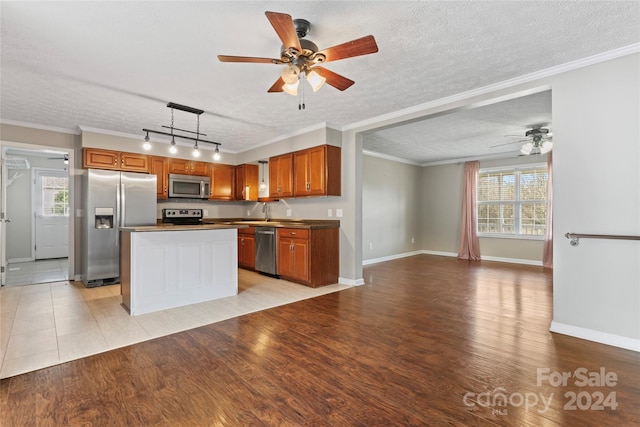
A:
[173, 149]
[216, 154]
[147, 144]
[196, 152]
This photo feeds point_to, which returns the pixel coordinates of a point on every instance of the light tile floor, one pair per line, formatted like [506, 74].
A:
[47, 324]
[39, 271]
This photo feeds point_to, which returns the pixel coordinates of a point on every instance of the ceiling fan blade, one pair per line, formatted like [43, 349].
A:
[509, 143]
[283, 24]
[357, 47]
[228, 58]
[277, 86]
[334, 79]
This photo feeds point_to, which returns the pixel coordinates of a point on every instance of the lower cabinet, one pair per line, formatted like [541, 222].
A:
[247, 248]
[309, 256]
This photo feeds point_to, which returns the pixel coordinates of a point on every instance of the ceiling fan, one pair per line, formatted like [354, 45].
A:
[302, 56]
[538, 141]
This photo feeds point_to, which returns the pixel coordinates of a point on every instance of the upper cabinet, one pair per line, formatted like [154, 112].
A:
[188, 167]
[160, 167]
[222, 182]
[115, 160]
[317, 171]
[246, 182]
[281, 176]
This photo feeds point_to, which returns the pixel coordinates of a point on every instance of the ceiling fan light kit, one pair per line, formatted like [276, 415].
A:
[172, 148]
[302, 57]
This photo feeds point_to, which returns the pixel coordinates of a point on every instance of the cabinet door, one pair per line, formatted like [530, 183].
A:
[180, 166]
[300, 259]
[222, 179]
[100, 159]
[133, 162]
[199, 168]
[160, 168]
[246, 182]
[249, 251]
[285, 256]
[281, 176]
[301, 184]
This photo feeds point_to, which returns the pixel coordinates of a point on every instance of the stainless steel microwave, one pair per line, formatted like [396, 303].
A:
[189, 186]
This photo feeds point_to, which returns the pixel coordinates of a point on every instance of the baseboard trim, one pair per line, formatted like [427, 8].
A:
[16, 260]
[439, 253]
[350, 282]
[596, 336]
[512, 260]
[390, 257]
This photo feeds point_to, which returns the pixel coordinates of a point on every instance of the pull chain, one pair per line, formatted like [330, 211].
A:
[301, 92]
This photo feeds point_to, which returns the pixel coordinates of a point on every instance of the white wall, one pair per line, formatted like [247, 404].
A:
[596, 113]
[390, 208]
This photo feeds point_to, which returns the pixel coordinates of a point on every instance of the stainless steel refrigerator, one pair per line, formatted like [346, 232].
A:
[112, 200]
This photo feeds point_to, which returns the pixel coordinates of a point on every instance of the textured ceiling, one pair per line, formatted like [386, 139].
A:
[115, 65]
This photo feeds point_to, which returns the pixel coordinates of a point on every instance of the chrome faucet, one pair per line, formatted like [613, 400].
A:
[265, 210]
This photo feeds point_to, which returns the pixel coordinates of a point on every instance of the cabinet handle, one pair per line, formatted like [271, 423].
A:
[308, 186]
[291, 247]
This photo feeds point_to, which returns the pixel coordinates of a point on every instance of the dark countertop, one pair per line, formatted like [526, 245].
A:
[276, 222]
[171, 227]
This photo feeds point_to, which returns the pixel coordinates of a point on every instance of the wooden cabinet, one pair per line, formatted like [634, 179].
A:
[222, 182]
[317, 171]
[309, 256]
[160, 168]
[188, 167]
[281, 176]
[247, 248]
[98, 158]
[246, 182]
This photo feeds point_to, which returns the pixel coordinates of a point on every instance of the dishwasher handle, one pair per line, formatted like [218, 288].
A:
[265, 232]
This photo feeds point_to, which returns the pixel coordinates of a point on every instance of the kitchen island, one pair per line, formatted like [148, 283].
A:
[167, 266]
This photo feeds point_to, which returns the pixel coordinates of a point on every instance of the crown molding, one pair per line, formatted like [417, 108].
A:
[388, 157]
[506, 84]
[40, 127]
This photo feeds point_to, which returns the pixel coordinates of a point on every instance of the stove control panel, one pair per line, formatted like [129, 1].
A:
[182, 213]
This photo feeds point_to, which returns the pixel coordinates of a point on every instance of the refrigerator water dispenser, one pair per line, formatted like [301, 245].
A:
[104, 218]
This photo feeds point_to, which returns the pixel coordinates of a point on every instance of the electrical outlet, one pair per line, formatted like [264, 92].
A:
[288, 212]
[370, 246]
[205, 212]
[330, 213]
[248, 212]
[413, 240]
[339, 213]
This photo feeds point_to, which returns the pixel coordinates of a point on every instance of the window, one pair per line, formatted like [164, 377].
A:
[512, 201]
[55, 196]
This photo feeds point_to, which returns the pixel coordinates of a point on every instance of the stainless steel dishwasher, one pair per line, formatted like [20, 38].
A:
[266, 248]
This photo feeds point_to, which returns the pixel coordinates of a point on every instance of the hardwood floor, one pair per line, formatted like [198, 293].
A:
[427, 341]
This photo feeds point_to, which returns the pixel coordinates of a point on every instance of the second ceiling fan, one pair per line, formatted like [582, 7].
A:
[302, 56]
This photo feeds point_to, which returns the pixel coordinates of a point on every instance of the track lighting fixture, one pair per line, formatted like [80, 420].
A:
[173, 149]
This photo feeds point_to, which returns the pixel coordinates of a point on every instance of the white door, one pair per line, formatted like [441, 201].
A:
[51, 213]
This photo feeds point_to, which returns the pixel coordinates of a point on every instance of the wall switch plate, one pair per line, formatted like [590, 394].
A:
[248, 212]
[370, 246]
[339, 213]
[288, 212]
[330, 213]
[413, 240]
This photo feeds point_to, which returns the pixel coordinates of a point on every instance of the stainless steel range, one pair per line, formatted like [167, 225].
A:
[182, 216]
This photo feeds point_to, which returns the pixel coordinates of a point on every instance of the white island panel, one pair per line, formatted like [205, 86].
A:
[172, 269]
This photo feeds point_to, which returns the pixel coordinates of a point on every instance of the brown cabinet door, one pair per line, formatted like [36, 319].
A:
[246, 182]
[222, 180]
[317, 171]
[100, 159]
[300, 258]
[281, 176]
[199, 168]
[180, 166]
[301, 183]
[246, 251]
[133, 162]
[285, 256]
[160, 168]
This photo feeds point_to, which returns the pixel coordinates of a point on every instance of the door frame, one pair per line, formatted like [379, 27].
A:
[73, 211]
[34, 186]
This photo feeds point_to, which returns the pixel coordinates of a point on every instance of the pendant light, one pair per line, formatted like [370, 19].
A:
[263, 186]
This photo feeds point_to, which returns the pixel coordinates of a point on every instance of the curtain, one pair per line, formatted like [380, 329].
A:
[547, 251]
[469, 244]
